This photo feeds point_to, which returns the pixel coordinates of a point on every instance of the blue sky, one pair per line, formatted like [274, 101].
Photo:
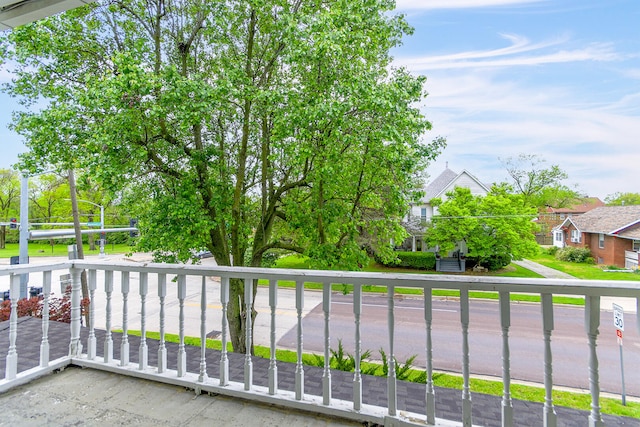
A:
[556, 78]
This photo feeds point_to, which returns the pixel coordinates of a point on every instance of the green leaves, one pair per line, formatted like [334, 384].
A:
[495, 228]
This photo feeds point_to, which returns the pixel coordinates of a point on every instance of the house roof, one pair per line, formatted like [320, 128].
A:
[621, 220]
[585, 204]
[437, 187]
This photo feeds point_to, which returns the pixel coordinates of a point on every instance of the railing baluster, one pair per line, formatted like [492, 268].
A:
[430, 392]
[182, 354]
[108, 339]
[203, 331]
[224, 360]
[162, 349]
[91, 341]
[124, 345]
[505, 322]
[391, 380]
[75, 346]
[11, 369]
[248, 307]
[143, 351]
[592, 323]
[550, 417]
[466, 390]
[299, 374]
[44, 345]
[357, 377]
[326, 373]
[273, 365]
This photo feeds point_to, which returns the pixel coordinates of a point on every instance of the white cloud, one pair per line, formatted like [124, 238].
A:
[459, 4]
[485, 118]
[520, 52]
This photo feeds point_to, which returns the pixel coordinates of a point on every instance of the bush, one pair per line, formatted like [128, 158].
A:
[493, 263]
[552, 250]
[417, 260]
[573, 254]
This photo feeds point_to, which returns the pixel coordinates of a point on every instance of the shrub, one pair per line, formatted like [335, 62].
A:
[417, 260]
[552, 250]
[59, 308]
[573, 254]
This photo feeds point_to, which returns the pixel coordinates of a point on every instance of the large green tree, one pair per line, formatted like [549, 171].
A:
[496, 228]
[622, 199]
[539, 185]
[242, 127]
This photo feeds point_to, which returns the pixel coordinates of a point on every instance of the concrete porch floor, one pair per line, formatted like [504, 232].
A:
[77, 396]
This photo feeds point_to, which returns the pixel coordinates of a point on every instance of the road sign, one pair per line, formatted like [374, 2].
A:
[618, 317]
[94, 224]
[619, 333]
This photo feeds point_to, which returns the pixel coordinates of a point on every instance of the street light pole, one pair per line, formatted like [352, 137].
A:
[24, 232]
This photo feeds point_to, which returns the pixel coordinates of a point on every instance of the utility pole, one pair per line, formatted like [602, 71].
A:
[78, 232]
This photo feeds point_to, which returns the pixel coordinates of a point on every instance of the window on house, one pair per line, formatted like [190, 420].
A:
[636, 245]
[575, 236]
[423, 214]
[601, 240]
[561, 216]
[558, 236]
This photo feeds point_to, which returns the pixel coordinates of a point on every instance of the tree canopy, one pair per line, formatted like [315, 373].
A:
[619, 199]
[539, 186]
[496, 228]
[242, 127]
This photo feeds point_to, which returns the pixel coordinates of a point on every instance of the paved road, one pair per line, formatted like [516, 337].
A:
[569, 342]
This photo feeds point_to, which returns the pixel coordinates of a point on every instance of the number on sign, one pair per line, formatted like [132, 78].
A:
[618, 317]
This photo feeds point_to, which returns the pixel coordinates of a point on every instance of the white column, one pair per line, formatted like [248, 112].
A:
[75, 346]
[430, 392]
[273, 366]
[182, 354]
[391, 361]
[92, 342]
[357, 377]
[550, 418]
[143, 351]
[44, 345]
[466, 391]
[299, 374]
[224, 360]
[162, 349]
[124, 345]
[203, 331]
[11, 369]
[248, 307]
[108, 340]
[326, 373]
[505, 323]
[592, 323]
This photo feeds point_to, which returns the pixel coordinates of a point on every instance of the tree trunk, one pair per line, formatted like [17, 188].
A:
[3, 236]
[237, 313]
[76, 226]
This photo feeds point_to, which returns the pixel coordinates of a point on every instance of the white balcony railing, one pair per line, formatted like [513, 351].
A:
[162, 286]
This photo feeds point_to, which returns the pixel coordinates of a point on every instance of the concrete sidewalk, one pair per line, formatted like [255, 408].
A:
[629, 305]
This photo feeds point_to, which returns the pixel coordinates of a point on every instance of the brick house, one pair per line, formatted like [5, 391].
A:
[611, 233]
[552, 217]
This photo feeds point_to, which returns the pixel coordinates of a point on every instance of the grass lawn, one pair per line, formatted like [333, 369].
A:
[567, 399]
[512, 270]
[582, 270]
[42, 248]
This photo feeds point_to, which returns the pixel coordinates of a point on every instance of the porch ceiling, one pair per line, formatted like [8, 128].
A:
[19, 12]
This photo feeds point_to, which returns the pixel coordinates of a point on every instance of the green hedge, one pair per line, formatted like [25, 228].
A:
[417, 260]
